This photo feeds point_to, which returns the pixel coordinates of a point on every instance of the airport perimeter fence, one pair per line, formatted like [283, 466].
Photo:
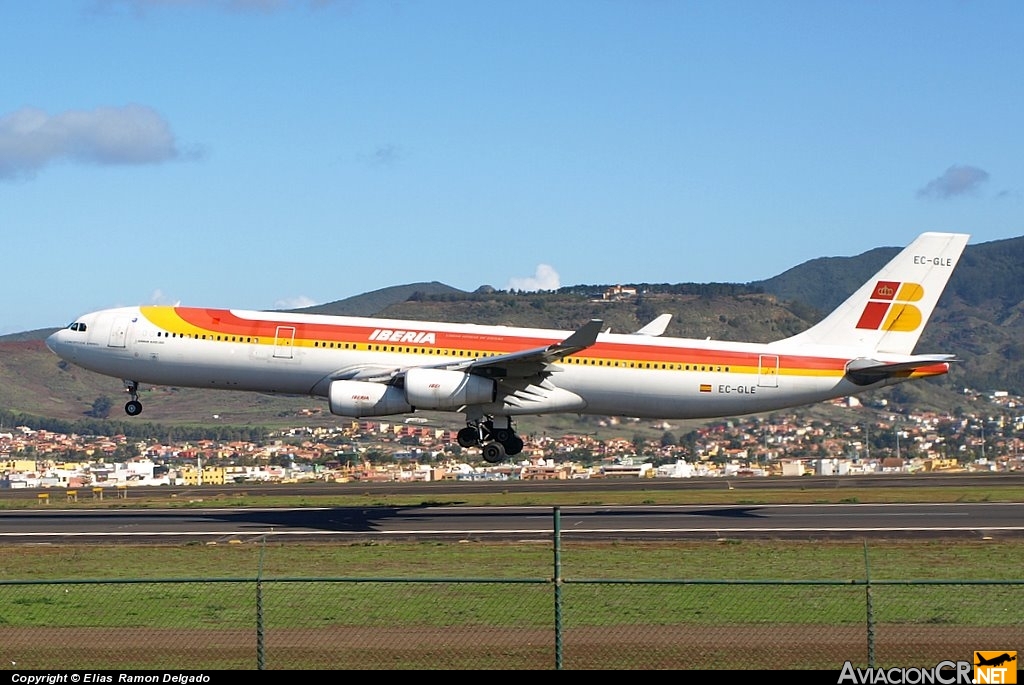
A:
[544, 622]
[463, 623]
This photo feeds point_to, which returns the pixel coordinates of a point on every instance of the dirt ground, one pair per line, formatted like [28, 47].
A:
[628, 647]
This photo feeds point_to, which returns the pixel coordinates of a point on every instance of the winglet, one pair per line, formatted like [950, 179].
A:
[583, 338]
[656, 327]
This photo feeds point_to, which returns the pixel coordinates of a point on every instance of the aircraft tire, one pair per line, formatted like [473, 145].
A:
[513, 446]
[468, 437]
[494, 453]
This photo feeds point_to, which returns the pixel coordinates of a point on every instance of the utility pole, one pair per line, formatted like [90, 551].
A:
[867, 443]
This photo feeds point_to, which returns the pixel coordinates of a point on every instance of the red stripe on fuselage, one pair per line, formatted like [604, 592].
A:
[225, 322]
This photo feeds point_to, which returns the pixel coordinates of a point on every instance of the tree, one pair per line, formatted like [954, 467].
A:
[101, 407]
[690, 441]
[125, 452]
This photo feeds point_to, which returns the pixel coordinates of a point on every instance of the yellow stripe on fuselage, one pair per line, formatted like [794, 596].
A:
[223, 325]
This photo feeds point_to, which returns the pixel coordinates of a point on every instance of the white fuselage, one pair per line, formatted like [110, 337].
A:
[301, 354]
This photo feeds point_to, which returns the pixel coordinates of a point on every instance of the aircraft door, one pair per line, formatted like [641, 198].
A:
[768, 371]
[118, 333]
[284, 340]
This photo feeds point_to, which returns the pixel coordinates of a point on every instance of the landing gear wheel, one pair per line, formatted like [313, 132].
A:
[513, 445]
[495, 443]
[494, 452]
[133, 407]
[468, 437]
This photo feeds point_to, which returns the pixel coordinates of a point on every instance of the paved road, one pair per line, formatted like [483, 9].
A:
[977, 520]
[791, 521]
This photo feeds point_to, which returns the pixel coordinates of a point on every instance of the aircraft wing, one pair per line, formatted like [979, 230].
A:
[523, 364]
[530, 362]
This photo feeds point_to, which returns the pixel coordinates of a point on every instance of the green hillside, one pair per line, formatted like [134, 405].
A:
[979, 318]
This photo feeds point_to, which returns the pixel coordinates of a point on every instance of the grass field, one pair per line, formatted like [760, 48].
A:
[733, 605]
[422, 605]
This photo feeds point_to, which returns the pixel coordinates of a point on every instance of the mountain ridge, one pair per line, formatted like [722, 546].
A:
[980, 318]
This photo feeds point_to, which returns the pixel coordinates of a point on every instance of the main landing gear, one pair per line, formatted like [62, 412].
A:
[133, 407]
[495, 443]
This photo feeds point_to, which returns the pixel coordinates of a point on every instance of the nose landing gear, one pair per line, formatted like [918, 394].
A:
[133, 407]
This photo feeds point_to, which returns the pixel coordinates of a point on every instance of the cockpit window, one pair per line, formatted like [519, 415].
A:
[78, 326]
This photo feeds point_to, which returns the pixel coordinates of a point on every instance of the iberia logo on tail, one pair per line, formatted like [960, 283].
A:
[889, 308]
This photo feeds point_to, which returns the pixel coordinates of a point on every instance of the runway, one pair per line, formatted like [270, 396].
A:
[591, 523]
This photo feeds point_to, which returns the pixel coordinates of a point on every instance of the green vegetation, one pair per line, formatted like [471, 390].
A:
[749, 560]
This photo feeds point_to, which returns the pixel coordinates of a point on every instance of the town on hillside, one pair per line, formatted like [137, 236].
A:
[755, 446]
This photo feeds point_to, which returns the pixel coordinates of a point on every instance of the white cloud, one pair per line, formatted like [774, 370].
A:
[958, 180]
[30, 138]
[297, 302]
[545, 278]
[158, 297]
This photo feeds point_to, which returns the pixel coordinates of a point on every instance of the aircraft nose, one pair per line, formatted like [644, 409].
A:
[55, 341]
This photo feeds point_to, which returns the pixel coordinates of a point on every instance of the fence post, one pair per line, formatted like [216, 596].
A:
[558, 587]
[260, 655]
[870, 609]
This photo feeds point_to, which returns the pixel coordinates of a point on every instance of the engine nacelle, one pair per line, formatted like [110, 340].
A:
[360, 398]
[440, 389]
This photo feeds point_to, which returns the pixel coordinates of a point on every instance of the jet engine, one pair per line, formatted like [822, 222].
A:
[360, 398]
[440, 389]
[424, 389]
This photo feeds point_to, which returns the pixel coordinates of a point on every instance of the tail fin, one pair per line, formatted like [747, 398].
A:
[888, 313]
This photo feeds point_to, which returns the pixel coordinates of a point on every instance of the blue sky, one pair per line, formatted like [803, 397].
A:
[263, 154]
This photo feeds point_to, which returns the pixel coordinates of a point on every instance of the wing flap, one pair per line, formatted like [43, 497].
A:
[542, 397]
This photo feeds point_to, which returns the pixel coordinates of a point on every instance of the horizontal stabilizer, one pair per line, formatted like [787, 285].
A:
[868, 371]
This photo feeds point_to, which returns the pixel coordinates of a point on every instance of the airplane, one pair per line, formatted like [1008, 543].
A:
[996, 660]
[370, 367]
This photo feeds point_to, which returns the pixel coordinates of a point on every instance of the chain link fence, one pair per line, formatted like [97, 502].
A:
[465, 623]
[524, 623]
